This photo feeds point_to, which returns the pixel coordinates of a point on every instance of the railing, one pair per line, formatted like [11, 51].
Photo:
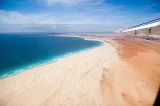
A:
[149, 22]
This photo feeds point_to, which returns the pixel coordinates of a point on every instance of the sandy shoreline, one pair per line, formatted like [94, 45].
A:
[55, 59]
[99, 76]
[70, 74]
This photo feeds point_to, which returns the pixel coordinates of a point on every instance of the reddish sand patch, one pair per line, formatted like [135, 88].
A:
[144, 56]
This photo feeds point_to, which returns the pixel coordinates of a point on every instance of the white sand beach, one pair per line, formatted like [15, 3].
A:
[95, 77]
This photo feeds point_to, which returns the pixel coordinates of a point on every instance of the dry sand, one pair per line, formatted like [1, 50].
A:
[144, 57]
[95, 77]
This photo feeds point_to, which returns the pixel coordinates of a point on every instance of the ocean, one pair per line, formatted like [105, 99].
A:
[22, 51]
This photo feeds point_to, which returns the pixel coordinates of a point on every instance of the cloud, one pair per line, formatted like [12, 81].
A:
[11, 17]
[152, 5]
[61, 28]
[69, 2]
[93, 18]
[48, 22]
[12, 21]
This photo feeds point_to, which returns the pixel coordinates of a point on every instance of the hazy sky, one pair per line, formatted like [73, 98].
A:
[75, 15]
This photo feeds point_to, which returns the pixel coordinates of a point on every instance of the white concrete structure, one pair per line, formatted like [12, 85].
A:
[148, 28]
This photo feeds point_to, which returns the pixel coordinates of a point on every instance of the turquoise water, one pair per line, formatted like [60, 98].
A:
[22, 51]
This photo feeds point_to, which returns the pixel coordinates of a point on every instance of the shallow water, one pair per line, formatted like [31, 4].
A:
[21, 51]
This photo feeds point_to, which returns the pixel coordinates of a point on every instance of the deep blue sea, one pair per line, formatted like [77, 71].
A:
[23, 51]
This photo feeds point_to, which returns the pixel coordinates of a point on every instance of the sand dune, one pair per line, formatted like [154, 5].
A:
[96, 77]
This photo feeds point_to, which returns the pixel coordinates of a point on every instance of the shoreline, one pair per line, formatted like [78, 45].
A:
[96, 77]
[52, 60]
[73, 70]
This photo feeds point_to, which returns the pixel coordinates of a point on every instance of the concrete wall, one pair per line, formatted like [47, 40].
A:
[154, 30]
